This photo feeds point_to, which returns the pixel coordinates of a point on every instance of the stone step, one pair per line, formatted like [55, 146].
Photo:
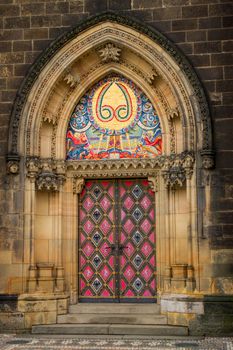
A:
[114, 308]
[113, 319]
[116, 329]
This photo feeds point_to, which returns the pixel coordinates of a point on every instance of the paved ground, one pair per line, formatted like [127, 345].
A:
[29, 342]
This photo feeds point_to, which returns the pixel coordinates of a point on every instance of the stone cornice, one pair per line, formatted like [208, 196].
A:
[50, 174]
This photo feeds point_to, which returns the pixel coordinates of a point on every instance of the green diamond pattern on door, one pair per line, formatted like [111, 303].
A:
[117, 241]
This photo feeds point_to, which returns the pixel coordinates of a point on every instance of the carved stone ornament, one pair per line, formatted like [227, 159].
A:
[207, 159]
[13, 164]
[71, 80]
[78, 185]
[110, 53]
[153, 183]
[48, 174]
[49, 182]
[177, 168]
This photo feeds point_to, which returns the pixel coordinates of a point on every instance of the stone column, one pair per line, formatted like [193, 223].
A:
[29, 222]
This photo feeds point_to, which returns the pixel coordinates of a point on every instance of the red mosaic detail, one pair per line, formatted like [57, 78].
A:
[88, 204]
[146, 273]
[147, 293]
[145, 202]
[88, 273]
[88, 226]
[105, 272]
[152, 214]
[123, 214]
[129, 249]
[123, 285]
[128, 226]
[105, 293]
[129, 273]
[105, 203]
[128, 203]
[105, 226]
[105, 249]
[88, 249]
[146, 226]
[146, 249]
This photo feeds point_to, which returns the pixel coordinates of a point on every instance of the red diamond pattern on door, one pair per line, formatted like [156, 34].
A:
[97, 235]
[137, 240]
[117, 241]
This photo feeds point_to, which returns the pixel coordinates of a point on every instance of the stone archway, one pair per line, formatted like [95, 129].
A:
[50, 183]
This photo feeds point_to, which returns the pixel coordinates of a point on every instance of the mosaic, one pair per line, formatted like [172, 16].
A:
[114, 120]
[12, 342]
[117, 257]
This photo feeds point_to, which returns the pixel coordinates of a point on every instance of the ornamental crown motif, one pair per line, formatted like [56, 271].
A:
[110, 53]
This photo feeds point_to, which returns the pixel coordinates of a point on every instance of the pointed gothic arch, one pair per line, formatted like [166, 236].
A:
[109, 44]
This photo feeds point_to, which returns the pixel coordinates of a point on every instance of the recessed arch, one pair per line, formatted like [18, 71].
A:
[126, 33]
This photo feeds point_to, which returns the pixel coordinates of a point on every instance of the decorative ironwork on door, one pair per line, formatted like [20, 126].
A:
[117, 241]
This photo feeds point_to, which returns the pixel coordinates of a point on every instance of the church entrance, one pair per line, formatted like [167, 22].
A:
[117, 261]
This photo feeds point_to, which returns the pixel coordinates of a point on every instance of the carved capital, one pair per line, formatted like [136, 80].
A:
[33, 166]
[153, 183]
[13, 164]
[78, 184]
[207, 159]
[178, 168]
[110, 53]
[49, 181]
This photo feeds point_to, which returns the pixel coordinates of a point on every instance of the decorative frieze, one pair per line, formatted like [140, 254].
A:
[50, 174]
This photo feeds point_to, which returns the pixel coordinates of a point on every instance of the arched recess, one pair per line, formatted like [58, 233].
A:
[109, 44]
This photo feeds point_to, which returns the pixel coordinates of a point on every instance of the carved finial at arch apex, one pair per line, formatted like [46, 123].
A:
[110, 53]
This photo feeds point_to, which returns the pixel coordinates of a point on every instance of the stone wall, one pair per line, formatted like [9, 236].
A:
[202, 29]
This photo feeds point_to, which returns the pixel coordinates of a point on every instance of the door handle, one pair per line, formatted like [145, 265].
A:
[113, 248]
[122, 246]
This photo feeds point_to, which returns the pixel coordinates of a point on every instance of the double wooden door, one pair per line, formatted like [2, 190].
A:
[117, 260]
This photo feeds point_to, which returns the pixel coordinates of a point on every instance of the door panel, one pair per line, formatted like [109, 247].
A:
[137, 240]
[97, 278]
[117, 241]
